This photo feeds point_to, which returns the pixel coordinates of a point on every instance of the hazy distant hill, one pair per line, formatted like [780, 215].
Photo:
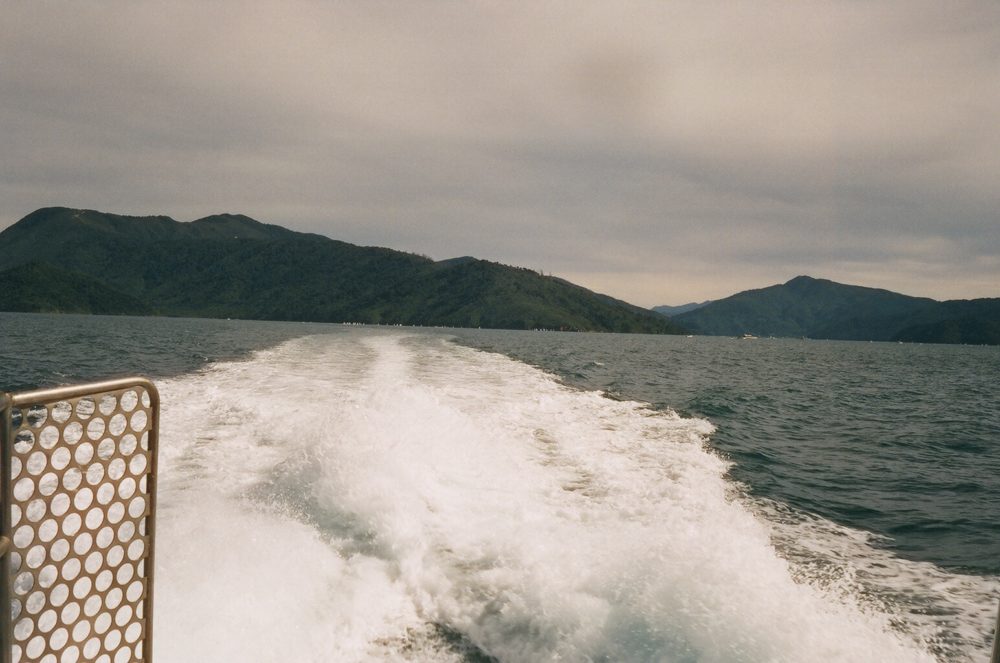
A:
[233, 266]
[671, 311]
[817, 308]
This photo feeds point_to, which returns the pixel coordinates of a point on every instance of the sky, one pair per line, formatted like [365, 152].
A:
[661, 152]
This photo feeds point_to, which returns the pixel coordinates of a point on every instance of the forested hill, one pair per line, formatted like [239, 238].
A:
[231, 266]
[817, 308]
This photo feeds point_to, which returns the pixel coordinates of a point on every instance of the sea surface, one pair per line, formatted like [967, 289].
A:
[349, 493]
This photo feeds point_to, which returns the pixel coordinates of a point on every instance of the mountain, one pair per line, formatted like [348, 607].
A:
[818, 308]
[231, 266]
[671, 311]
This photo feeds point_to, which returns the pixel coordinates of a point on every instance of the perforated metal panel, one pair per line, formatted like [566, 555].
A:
[79, 470]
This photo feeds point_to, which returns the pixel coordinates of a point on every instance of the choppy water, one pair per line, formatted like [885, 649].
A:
[355, 494]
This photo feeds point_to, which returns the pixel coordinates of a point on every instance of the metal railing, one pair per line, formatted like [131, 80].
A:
[995, 657]
[78, 470]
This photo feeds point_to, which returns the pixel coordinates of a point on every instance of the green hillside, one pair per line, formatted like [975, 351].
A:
[817, 308]
[40, 288]
[233, 266]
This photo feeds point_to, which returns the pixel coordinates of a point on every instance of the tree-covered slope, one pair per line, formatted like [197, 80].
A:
[233, 266]
[817, 308]
[973, 321]
[40, 288]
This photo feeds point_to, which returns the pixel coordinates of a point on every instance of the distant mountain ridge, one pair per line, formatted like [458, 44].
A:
[670, 311]
[229, 265]
[819, 308]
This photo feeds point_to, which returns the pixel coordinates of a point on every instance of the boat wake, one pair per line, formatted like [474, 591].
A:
[381, 496]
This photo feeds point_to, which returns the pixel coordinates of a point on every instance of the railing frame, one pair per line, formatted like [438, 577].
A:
[995, 658]
[6, 499]
[49, 397]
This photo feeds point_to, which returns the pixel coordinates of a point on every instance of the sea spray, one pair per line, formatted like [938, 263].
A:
[383, 496]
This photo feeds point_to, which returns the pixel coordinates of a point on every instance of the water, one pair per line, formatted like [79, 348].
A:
[40, 350]
[901, 440]
[355, 494]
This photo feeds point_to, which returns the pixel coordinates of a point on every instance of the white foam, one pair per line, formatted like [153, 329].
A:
[952, 614]
[375, 496]
[240, 579]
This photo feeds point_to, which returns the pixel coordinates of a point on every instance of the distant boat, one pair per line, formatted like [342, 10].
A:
[746, 337]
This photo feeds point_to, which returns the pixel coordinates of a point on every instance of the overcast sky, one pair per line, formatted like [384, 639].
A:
[661, 152]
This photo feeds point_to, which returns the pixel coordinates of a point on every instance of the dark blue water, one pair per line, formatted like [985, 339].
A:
[899, 440]
[39, 350]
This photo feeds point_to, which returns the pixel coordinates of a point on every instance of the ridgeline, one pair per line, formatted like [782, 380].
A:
[817, 308]
[231, 266]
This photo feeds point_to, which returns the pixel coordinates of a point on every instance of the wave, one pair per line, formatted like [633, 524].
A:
[372, 495]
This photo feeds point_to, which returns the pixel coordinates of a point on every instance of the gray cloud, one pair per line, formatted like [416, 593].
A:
[657, 151]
